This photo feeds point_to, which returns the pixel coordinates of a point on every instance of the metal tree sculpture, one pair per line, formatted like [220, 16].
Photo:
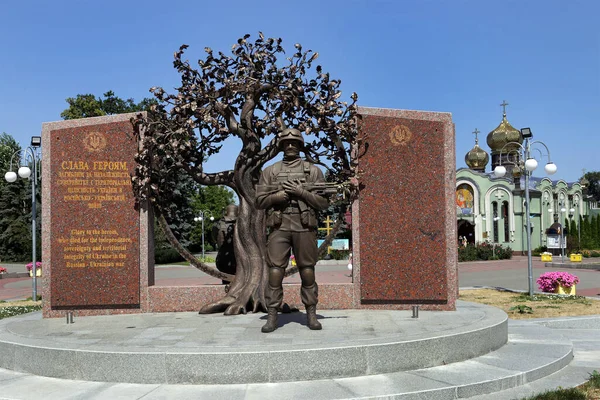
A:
[250, 96]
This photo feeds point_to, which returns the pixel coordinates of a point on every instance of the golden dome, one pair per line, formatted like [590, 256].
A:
[503, 134]
[477, 158]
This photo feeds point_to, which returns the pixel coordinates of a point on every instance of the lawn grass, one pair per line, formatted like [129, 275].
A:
[206, 259]
[588, 391]
[517, 305]
[522, 306]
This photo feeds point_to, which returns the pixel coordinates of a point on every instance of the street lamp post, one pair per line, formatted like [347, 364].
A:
[496, 219]
[201, 219]
[29, 155]
[527, 168]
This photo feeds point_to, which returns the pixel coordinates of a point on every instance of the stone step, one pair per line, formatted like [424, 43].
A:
[187, 348]
[532, 353]
[583, 333]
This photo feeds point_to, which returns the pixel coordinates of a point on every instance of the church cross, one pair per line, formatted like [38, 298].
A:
[504, 104]
[476, 132]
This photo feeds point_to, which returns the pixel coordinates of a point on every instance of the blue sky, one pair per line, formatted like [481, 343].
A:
[457, 56]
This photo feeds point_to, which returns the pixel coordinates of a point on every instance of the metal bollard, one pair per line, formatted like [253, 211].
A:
[415, 310]
[69, 317]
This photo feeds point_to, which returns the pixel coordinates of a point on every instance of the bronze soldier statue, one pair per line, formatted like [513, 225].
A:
[292, 220]
[223, 235]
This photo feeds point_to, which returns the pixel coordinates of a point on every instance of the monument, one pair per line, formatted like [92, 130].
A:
[99, 174]
[95, 242]
[97, 232]
[404, 244]
[283, 189]
[222, 234]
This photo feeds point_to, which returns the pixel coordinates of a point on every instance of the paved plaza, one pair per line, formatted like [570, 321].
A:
[509, 274]
[518, 369]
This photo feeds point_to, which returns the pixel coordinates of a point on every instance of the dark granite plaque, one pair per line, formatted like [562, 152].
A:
[403, 208]
[94, 227]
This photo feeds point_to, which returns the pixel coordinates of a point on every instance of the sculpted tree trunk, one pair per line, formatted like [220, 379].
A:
[247, 289]
[250, 96]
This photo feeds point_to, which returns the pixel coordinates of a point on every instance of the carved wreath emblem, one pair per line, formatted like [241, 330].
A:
[94, 141]
[400, 135]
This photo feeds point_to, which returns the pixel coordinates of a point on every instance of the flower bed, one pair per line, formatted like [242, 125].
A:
[38, 265]
[550, 281]
[6, 312]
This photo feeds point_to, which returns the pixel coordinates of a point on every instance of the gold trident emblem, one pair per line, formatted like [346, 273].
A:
[400, 135]
[94, 141]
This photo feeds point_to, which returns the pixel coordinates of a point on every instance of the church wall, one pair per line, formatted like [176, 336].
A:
[546, 199]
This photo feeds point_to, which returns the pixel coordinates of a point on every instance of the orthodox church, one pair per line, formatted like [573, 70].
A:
[492, 209]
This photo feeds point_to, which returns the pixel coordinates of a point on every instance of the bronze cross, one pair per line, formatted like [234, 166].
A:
[476, 132]
[504, 104]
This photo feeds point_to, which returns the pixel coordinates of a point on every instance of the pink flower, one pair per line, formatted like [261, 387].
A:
[38, 265]
[2, 270]
[549, 281]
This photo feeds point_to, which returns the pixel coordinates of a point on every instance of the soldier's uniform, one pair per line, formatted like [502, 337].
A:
[293, 226]
[223, 234]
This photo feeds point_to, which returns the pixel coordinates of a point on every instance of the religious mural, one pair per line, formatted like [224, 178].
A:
[464, 199]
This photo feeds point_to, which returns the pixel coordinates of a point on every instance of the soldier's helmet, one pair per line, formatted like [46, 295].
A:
[290, 134]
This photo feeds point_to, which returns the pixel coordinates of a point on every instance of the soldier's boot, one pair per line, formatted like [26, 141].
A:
[271, 324]
[273, 299]
[311, 318]
[310, 298]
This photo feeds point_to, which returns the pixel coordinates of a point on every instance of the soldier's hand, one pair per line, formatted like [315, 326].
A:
[281, 197]
[293, 188]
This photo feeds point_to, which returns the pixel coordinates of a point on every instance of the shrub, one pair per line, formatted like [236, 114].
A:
[468, 253]
[538, 251]
[503, 253]
[340, 254]
[166, 256]
[586, 253]
[484, 251]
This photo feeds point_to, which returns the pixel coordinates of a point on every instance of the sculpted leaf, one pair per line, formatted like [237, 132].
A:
[250, 95]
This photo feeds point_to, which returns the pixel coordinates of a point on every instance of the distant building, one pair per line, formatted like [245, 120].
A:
[491, 209]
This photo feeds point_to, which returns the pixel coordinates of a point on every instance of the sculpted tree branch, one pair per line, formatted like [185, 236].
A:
[249, 94]
[187, 255]
[220, 178]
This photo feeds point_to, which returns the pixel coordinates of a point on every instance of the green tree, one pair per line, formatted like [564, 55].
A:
[88, 105]
[586, 234]
[181, 188]
[593, 178]
[249, 95]
[596, 231]
[8, 146]
[213, 199]
[15, 208]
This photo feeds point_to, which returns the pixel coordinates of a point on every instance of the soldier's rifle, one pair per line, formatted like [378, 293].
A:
[319, 188]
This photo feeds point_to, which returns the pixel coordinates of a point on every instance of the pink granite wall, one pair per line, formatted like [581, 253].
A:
[403, 224]
[404, 221]
[95, 243]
